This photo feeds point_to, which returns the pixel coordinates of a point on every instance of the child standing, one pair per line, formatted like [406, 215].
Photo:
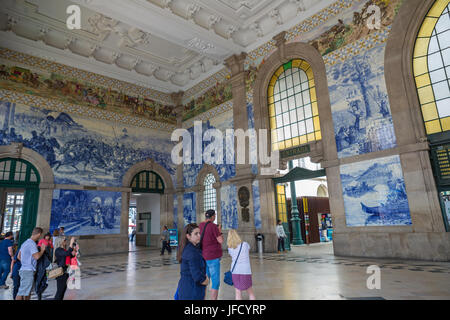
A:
[242, 273]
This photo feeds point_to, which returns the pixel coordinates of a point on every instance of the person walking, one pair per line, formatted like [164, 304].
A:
[193, 281]
[15, 267]
[165, 238]
[28, 256]
[133, 234]
[211, 246]
[281, 236]
[61, 254]
[56, 243]
[325, 230]
[6, 253]
[240, 265]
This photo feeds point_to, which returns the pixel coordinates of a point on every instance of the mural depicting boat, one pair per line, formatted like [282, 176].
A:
[387, 209]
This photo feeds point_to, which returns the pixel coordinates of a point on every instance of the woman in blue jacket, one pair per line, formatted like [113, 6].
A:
[193, 282]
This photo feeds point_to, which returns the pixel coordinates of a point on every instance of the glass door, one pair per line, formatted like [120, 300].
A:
[12, 213]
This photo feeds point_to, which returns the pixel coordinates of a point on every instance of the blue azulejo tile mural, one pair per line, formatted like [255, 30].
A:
[251, 125]
[189, 208]
[190, 171]
[374, 193]
[229, 207]
[83, 212]
[80, 150]
[360, 105]
[257, 204]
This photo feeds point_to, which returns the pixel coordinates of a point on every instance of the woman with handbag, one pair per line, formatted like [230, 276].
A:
[61, 255]
[241, 269]
[193, 282]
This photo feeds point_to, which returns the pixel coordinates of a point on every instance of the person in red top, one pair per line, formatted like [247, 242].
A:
[47, 240]
[211, 245]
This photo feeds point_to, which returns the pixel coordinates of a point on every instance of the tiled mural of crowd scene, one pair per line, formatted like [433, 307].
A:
[83, 212]
[225, 171]
[55, 86]
[83, 151]
[375, 193]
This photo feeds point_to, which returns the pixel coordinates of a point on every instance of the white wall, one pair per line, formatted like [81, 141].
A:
[152, 203]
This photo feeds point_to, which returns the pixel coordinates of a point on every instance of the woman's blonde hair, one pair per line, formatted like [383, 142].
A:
[233, 239]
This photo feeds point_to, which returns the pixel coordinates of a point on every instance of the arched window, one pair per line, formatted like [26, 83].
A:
[209, 195]
[432, 68]
[18, 172]
[293, 109]
[147, 181]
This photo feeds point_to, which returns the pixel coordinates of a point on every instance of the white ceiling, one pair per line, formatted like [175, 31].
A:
[167, 45]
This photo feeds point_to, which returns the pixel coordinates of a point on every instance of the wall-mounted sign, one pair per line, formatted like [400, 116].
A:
[145, 216]
[295, 151]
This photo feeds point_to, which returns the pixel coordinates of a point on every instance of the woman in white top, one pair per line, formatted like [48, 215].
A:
[242, 273]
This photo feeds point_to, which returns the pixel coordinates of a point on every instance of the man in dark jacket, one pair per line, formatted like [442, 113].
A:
[41, 273]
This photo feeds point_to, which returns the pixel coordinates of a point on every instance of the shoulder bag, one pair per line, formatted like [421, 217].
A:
[228, 276]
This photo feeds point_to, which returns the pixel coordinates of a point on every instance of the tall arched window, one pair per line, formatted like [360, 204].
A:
[209, 195]
[293, 109]
[432, 68]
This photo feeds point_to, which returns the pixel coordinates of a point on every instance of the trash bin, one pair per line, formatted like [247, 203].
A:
[260, 241]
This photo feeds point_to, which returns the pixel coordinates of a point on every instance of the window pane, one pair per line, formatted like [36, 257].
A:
[435, 61]
[441, 90]
[278, 108]
[286, 120]
[309, 126]
[443, 108]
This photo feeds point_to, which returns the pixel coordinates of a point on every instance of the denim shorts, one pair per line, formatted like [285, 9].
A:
[26, 282]
[213, 272]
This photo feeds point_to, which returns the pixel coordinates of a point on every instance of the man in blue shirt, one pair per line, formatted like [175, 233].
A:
[6, 253]
[28, 256]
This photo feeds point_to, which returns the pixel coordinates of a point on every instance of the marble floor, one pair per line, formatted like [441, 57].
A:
[306, 272]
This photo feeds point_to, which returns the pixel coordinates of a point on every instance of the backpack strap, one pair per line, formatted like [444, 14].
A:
[237, 257]
[203, 233]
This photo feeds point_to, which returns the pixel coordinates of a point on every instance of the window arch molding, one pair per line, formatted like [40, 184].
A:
[412, 141]
[322, 150]
[400, 83]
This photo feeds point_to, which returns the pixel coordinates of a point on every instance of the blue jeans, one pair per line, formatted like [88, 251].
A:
[5, 266]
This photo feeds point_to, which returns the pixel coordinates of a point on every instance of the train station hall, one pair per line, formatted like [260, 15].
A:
[225, 150]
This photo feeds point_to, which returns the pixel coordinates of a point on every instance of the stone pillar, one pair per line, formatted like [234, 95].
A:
[244, 177]
[177, 98]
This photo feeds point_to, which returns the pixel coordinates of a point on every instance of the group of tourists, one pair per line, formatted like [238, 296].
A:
[28, 265]
[200, 252]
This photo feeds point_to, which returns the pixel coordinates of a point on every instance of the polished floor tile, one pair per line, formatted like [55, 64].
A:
[305, 273]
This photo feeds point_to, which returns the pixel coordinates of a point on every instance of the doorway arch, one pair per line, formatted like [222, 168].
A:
[30, 172]
[150, 178]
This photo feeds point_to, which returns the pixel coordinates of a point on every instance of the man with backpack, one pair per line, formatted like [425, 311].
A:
[211, 243]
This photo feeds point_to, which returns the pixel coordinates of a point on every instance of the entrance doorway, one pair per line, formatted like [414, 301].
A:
[144, 211]
[311, 193]
[19, 197]
[12, 210]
